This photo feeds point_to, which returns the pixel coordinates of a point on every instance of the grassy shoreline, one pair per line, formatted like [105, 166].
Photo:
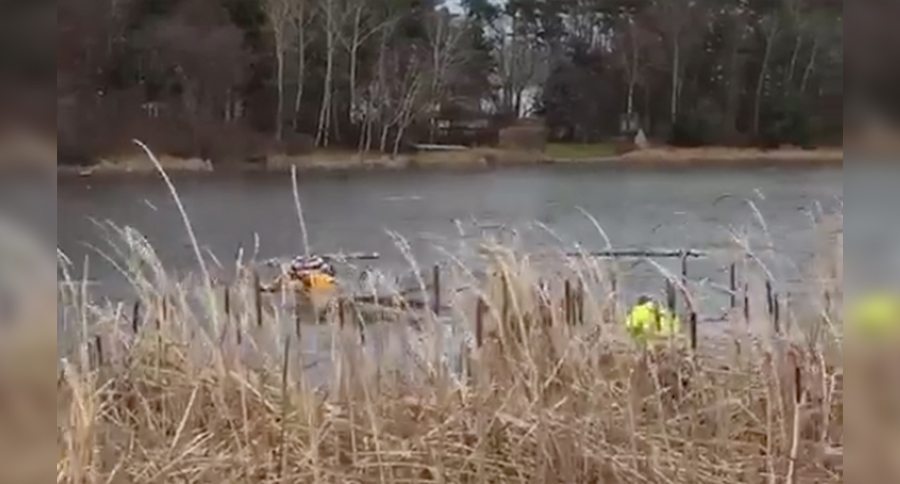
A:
[479, 158]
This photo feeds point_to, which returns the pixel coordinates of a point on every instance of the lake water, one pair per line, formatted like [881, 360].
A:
[434, 211]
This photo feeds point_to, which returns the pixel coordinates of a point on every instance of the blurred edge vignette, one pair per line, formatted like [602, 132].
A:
[456, 241]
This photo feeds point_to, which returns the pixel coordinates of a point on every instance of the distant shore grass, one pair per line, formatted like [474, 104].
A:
[580, 151]
[335, 160]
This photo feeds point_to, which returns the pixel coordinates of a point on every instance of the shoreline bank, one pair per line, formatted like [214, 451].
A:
[472, 159]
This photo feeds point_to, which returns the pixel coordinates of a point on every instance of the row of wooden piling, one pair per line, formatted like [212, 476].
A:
[573, 304]
[773, 300]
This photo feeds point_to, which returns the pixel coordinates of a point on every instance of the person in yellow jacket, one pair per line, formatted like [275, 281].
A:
[876, 315]
[648, 322]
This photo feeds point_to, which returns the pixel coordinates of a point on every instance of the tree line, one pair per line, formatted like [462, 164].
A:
[234, 78]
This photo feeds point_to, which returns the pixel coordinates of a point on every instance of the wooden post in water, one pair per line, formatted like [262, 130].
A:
[227, 302]
[341, 320]
[297, 300]
[479, 322]
[684, 280]
[770, 306]
[136, 317]
[747, 303]
[776, 316]
[732, 284]
[99, 343]
[164, 312]
[693, 323]
[436, 282]
[671, 297]
[568, 302]
[257, 299]
[580, 308]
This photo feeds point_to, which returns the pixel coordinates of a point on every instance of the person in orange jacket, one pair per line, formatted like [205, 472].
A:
[310, 274]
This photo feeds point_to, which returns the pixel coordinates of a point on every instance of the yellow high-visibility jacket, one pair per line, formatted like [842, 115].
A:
[649, 321]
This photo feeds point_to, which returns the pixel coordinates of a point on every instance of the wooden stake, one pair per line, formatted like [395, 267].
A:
[747, 303]
[257, 290]
[693, 329]
[479, 322]
[227, 302]
[671, 297]
[568, 302]
[297, 300]
[136, 316]
[436, 282]
[165, 309]
[99, 343]
[776, 317]
[580, 309]
[732, 285]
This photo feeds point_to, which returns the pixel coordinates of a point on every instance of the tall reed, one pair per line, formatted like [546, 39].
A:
[544, 397]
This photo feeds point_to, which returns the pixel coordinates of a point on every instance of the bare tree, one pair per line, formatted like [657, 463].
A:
[519, 53]
[329, 8]
[633, 62]
[631, 41]
[443, 37]
[797, 22]
[769, 27]
[302, 15]
[360, 33]
[408, 108]
[679, 24]
[381, 88]
[279, 15]
[810, 65]
[823, 29]
[400, 87]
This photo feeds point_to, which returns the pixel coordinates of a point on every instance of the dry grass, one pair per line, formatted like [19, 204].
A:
[580, 151]
[725, 156]
[198, 395]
